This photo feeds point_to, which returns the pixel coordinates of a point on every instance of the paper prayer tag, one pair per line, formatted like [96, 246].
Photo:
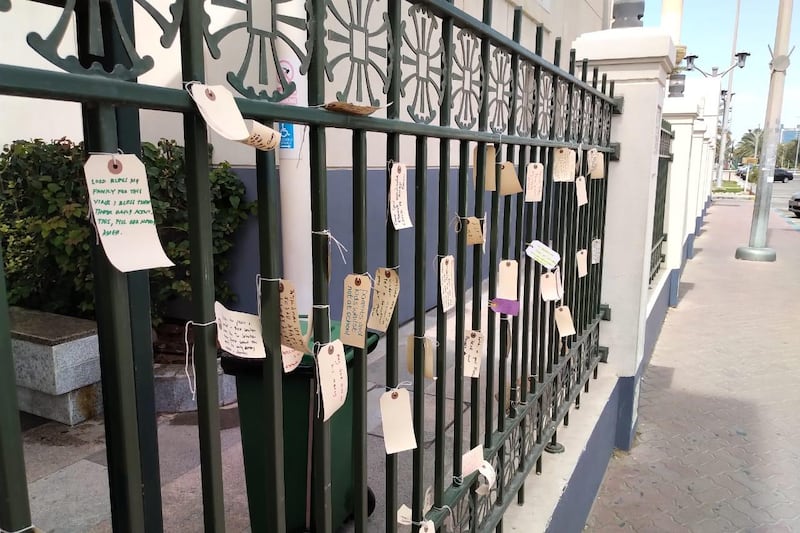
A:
[218, 108]
[548, 287]
[355, 310]
[471, 461]
[507, 274]
[564, 321]
[428, 359]
[427, 526]
[543, 254]
[486, 479]
[597, 164]
[581, 257]
[473, 353]
[447, 281]
[474, 231]
[333, 383]
[534, 182]
[290, 358]
[398, 423]
[509, 181]
[564, 165]
[404, 515]
[597, 247]
[119, 199]
[291, 334]
[238, 333]
[580, 191]
[490, 181]
[384, 299]
[398, 197]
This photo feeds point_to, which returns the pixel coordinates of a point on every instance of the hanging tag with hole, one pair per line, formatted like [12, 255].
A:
[119, 199]
[238, 333]
[471, 461]
[398, 197]
[489, 180]
[597, 164]
[474, 231]
[332, 377]
[473, 353]
[580, 191]
[428, 356]
[597, 247]
[355, 310]
[507, 274]
[534, 182]
[509, 181]
[543, 254]
[290, 358]
[581, 260]
[291, 334]
[384, 299]
[428, 526]
[486, 479]
[218, 108]
[564, 165]
[398, 424]
[548, 287]
[447, 281]
[564, 323]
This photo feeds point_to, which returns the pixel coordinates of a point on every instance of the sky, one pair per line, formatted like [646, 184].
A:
[707, 32]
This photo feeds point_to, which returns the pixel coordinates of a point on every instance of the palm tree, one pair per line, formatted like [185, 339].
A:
[750, 144]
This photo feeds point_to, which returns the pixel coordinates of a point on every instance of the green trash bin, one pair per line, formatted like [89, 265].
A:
[296, 403]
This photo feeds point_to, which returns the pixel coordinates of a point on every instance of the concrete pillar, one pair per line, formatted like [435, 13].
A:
[695, 179]
[681, 114]
[638, 60]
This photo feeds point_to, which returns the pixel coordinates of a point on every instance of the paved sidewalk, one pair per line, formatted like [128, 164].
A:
[718, 446]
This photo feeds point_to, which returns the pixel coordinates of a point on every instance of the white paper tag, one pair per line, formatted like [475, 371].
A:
[534, 182]
[291, 335]
[428, 526]
[490, 181]
[262, 137]
[428, 505]
[473, 353]
[543, 254]
[509, 181]
[485, 231]
[581, 260]
[597, 247]
[474, 231]
[238, 333]
[548, 287]
[332, 377]
[384, 299]
[404, 515]
[580, 191]
[564, 321]
[486, 478]
[355, 309]
[447, 280]
[472, 460]
[398, 197]
[564, 165]
[119, 198]
[507, 274]
[290, 358]
[398, 424]
[597, 164]
[429, 366]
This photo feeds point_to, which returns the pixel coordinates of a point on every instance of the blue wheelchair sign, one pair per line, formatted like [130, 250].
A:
[287, 134]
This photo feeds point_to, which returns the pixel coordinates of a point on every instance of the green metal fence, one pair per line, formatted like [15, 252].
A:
[465, 85]
[657, 254]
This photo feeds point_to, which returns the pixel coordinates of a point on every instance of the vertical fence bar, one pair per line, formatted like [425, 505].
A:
[268, 190]
[359, 354]
[461, 274]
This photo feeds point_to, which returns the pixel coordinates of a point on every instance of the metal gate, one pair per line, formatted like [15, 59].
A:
[447, 77]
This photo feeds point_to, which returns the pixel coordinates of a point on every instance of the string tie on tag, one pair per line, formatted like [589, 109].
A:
[398, 386]
[456, 222]
[190, 356]
[371, 278]
[339, 245]
[23, 530]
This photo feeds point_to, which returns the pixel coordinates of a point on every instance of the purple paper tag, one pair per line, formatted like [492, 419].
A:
[506, 307]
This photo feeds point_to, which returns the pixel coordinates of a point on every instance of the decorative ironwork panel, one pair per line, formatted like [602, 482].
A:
[597, 121]
[575, 118]
[606, 123]
[426, 47]
[526, 98]
[499, 90]
[544, 104]
[562, 108]
[467, 74]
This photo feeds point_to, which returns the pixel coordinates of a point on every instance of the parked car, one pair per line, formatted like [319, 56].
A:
[794, 204]
[783, 175]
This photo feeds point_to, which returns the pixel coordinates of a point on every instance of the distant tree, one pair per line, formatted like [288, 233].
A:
[746, 147]
[786, 154]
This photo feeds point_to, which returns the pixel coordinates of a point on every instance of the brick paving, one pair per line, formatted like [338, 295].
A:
[718, 441]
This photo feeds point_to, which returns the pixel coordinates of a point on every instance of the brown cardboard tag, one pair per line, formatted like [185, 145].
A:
[333, 383]
[534, 182]
[384, 299]
[548, 287]
[447, 280]
[564, 165]
[398, 424]
[509, 181]
[580, 191]
[490, 181]
[398, 197]
[581, 257]
[238, 333]
[291, 335]
[430, 368]
[474, 230]
[564, 321]
[262, 137]
[355, 310]
[597, 248]
[507, 280]
[473, 353]
[597, 164]
[350, 109]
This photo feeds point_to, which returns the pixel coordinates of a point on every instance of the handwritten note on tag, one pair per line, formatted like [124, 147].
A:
[543, 254]
[534, 182]
[384, 299]
[355, 310]
[564, 321]
[472, 460]
[119, 198]
[548, 287]
[580, 191]
[507, 274]
[564, 165]
[597, 248]
[332, 377]
[398, 424]
[473, 353]
[490, 180]
[487, 478]
[428, 359]
[447, 281]
[597, 164]
[509, 181]
[290, 358]
[474, 231]
[291, 335]
[219, 110]
[581, 260]
[238, 333]
[398, 197]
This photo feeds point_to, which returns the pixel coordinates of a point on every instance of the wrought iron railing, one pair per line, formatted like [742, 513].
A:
[443, 75]
[659, 230]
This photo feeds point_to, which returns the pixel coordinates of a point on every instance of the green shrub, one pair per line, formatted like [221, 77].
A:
[47, 238]
[755, 172]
